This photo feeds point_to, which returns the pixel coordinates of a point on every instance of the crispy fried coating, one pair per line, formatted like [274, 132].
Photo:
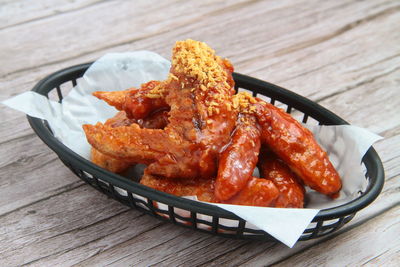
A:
[296, 146]
[291, 191]
[138, 104]
[238, 160]
[156, 120]
[135, 102]
[113, 98]
[202, 188]
[256, 192]
[120, 119]
[130, 143]
[109, 163]
[201, 118]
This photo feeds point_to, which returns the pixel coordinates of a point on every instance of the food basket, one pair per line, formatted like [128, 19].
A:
[198, 215]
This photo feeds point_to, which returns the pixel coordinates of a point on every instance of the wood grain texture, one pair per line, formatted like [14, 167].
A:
[361, 250]
[343, 54]
[15, 13]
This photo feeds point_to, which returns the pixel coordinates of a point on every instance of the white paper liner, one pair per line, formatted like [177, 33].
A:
[344, 144]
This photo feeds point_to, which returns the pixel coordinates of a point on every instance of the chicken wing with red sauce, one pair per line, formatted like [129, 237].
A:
[137, 103]
[296, 146]
[238, 160]
[203, 189]
[157, 120]
[256, 192]
[201, 118]
[291, 191]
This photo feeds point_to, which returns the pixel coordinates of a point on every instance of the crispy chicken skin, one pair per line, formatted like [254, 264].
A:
[238, 160]
[113, 98]
[256, 192]
[291, 191]
[107, 162]
[296, 146]
[201, 118]
[202, 188]
[156, 120]
[137, 103]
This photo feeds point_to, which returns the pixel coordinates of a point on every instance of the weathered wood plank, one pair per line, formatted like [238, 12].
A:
[28, 175]
[359, 249]
[337, 64]
[66, 221]
[374, 105]
[14, 13]
[197, 22]
[140, 20]
[342, 53]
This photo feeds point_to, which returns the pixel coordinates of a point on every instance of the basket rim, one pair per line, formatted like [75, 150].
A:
[371, 157]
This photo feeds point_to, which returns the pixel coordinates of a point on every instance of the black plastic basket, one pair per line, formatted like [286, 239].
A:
[190, 213]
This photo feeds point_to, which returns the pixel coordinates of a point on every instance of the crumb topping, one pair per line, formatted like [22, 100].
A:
[198, 61]
[199, 66]
[243, 102]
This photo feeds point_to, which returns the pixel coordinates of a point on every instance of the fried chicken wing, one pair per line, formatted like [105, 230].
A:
[201, 118]
[202, 188]
[113, 98]
[140, 103]
[201, 115]
[156, 120]
[256, 192]
[127, 142]
[291, 191]
[109, 163]
[296, 146]
[238, 160]
[137, 103]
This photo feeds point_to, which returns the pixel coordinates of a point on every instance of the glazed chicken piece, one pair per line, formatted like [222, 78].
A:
[201, 118]
[291, 191]
[202, 188]
[256, 192]
[137, 103]
[238, 160]
[296, 146]
[109, 163]
[156, 120]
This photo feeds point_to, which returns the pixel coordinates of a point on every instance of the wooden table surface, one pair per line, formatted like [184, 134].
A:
[345, 55]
